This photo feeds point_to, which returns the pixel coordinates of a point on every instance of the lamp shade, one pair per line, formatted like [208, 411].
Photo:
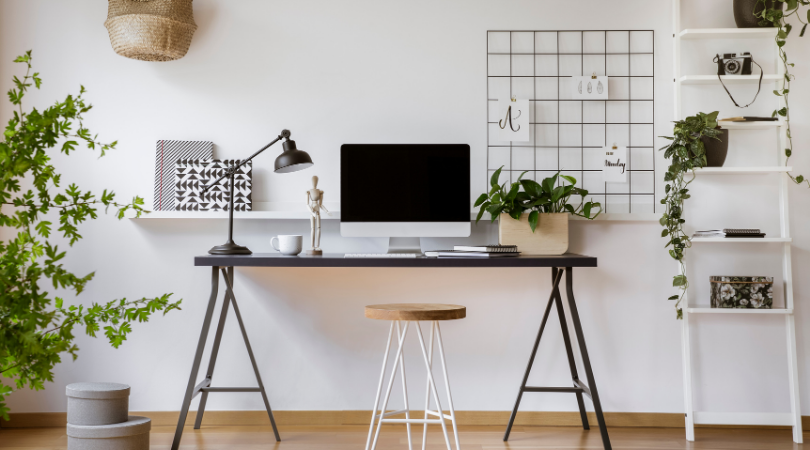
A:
[292, 160]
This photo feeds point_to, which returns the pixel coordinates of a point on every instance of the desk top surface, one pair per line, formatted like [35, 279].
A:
[337, 260]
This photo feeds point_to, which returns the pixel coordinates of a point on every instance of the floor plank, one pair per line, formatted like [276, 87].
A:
[393, 437]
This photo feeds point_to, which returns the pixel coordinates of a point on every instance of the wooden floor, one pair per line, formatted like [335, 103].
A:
[393, 437]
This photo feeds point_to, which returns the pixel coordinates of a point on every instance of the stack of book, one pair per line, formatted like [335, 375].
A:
[483, 251]
[729, 233]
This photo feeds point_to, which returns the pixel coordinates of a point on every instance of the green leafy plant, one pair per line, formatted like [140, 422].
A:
[686, 152]
[33, 333]
[536, 198]
[770, 16]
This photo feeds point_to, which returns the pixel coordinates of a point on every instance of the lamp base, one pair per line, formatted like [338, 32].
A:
[230, 248]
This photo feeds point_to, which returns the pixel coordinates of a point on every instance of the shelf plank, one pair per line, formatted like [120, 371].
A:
[728, 79]
[765, 240]
[742, 170]
[728, 33]
[304, 215]
[750, 125]
[708, 310]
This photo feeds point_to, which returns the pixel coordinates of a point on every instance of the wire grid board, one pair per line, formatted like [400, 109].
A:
[568, 135]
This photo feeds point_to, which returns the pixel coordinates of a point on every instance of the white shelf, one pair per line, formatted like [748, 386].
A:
[750, 125]
[304, 215]
[707, 310]
[724, 240]
[728, 33]
[728, 79]
[742, 170]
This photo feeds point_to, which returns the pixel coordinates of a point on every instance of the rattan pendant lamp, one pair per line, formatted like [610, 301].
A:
[150, 30]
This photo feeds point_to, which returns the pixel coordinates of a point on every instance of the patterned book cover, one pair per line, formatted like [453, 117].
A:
[191, 175]
[167, 153]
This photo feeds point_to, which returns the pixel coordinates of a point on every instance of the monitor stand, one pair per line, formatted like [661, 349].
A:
[404, 245]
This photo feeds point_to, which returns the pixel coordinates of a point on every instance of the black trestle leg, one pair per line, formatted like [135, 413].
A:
[214, 353]
[195, 367]
[250, 353]
[572, 364]
[557, 275]
[586, 361]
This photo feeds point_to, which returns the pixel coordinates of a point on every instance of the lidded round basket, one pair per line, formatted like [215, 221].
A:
[151, 30]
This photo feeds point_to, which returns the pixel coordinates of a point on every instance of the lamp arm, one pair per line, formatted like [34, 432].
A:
[230, 171]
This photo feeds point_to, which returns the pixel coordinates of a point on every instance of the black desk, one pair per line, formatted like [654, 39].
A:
[225, 265]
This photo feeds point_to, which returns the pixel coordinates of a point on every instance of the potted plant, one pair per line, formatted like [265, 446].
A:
[535, 218]
[686, 152]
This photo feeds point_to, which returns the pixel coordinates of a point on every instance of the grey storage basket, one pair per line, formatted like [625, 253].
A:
[130, 435]
[97, 403]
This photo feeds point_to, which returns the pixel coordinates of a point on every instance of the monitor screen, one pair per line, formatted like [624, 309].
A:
[405, 183]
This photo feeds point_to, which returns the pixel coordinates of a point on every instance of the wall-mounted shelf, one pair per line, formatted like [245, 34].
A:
[742, 170]
[708, 310]
[742, 240]
[728, 33]
[750, 125]
[304, 215]
[728, 79]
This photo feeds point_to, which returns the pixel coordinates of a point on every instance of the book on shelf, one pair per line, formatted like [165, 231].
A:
[458, 254]
[486, 248]
[729, 233]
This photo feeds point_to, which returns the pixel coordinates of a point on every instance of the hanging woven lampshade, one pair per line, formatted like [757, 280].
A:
[151, 30]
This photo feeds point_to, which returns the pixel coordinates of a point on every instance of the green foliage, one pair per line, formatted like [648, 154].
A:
[536, 198]
[770, 17]
[33, 333]
[686, 152]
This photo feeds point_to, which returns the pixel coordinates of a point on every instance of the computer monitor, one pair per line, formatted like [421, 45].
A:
[403, 191]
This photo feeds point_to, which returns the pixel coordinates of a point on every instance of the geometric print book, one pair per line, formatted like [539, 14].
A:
[167, 153]
[191, 175]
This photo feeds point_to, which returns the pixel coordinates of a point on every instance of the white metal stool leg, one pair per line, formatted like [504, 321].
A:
[379, 386]
[427, 384]
[446, 382]
[432, 384]
[404, 390]
[388, 390]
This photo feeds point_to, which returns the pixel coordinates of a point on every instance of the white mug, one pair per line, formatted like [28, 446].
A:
[289, 244]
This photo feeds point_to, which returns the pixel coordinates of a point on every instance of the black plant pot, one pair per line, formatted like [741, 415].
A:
[716, 151]
[744, 11]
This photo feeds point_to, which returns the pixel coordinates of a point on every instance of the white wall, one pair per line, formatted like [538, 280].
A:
[370, 71]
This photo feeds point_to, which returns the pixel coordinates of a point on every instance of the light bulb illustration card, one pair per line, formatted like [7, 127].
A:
[615, 168]
[513, 120]
[589, 88]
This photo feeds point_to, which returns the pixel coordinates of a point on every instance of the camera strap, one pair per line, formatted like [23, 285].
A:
[759, 88]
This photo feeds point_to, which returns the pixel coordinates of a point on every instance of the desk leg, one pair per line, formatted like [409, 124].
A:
[555, 291]
[572, 364]
[214, 353]
[195, 367]
[229, 292]
[597, 404]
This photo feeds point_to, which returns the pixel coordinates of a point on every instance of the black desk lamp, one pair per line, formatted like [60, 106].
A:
[291, 160]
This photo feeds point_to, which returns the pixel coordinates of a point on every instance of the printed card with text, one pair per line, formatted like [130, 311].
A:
[513, 123]
[615, 168]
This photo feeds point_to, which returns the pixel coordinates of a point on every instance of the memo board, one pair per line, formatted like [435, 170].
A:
[568, 135]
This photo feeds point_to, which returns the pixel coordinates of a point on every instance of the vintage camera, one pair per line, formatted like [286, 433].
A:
[732, 64]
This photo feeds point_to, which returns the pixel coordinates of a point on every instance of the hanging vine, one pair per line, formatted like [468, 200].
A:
[770, 16]
[686, 152]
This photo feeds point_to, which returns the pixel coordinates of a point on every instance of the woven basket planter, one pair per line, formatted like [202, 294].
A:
[151, 30]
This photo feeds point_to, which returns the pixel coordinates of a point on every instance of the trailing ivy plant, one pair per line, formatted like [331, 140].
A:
[686, 152]
[772, 17]
[36, 328]
[536, 198]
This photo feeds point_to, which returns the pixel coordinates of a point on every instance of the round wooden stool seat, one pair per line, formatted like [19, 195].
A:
[416, 311]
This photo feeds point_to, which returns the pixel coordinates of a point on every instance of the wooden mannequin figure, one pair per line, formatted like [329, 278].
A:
[315, 205]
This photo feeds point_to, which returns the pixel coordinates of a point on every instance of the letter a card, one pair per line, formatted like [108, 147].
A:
[614, 170]
[513, 121]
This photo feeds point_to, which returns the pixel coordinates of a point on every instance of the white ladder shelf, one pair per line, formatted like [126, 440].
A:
[793, 418]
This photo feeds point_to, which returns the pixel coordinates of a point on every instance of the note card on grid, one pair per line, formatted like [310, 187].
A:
[614, 170]
[513, 123]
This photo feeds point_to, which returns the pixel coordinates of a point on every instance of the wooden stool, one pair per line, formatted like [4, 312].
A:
[413, 312]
